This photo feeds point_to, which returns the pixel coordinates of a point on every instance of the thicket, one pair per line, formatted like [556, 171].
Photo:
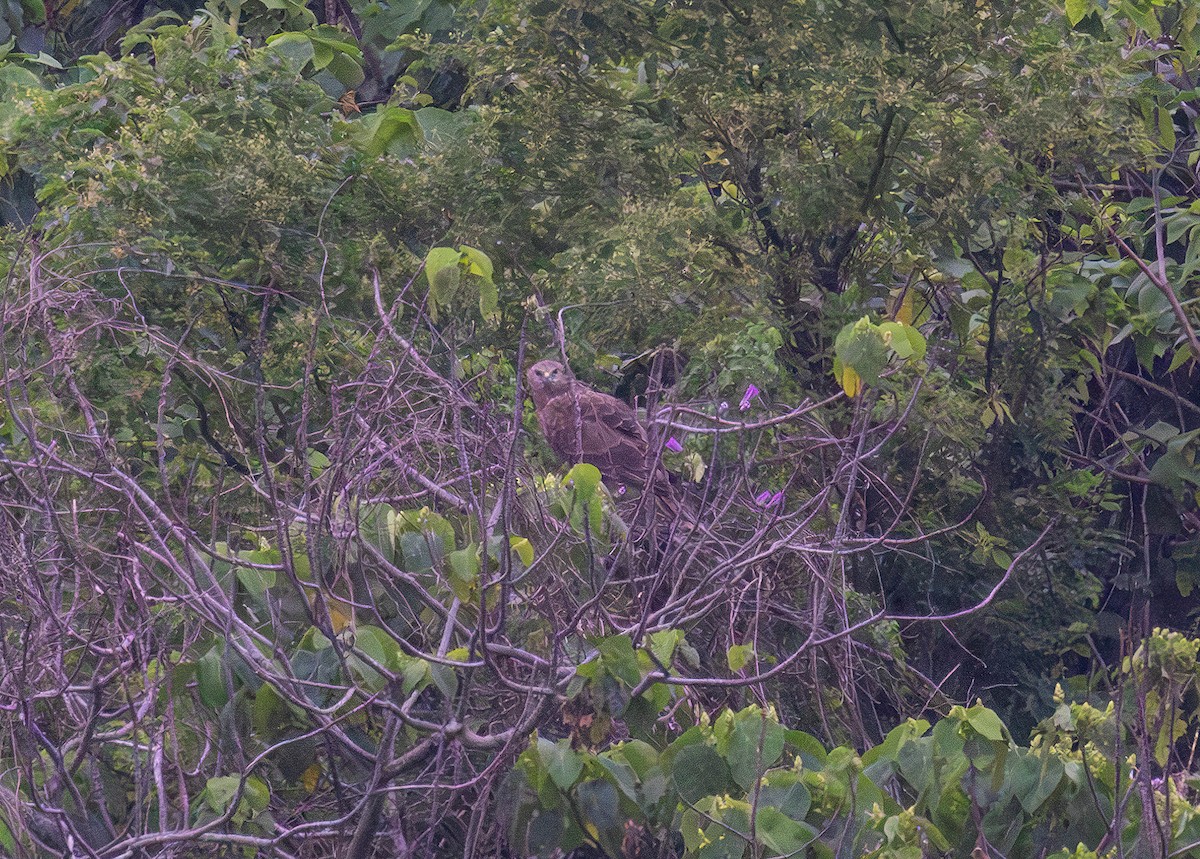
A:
[905, 291]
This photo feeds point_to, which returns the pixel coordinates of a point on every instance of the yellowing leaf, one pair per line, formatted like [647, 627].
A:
[996, 411]
[850, 381]
[341, 615]
[478, 263]
[523, 548]
[310, 777]
[716, 155]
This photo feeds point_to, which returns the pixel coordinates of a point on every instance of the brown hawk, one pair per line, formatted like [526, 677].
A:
[582, 424]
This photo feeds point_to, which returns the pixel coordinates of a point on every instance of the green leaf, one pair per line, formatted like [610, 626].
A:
[664, 643]
[904, 340]
[1178, 225]
[545, 834]
[705, 840]
[786, 791]
[811, 751]
[489, 300]
[986, 723]
[755, 744]
[1182, 355]
[140, 33]
[444, 678]
[44, 59]
[323, 54]
[1160, 432]
[389, 129]
[339, 40]
[7, 842]
[379, 645]
[256, 793]
[432, 527]
[640, 756]
[1166, 127]
[562, 762]
[1032, 778]
[35, 12]
[317, 461]
[348, 73]
[415, 549]
[464, 571]
[14, 79]
[598, 804]
[584, 479]
[443, 127]
[739, 655]
[416, 672]
[1069, 293]
[270, 712]
[619, 658]
[621, 774]
[1077, 10]
[219, 791]
[396, 133]
[860, 347]
[210, 678]
[256, 580]
[297, 13]
[447, 270]
[1176, 466]
[698, 771]
[781, 833]
[437, 262]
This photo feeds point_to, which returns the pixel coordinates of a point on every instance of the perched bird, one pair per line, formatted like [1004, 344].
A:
[582, 424]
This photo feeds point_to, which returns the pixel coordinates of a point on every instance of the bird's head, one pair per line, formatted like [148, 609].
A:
[549, 378]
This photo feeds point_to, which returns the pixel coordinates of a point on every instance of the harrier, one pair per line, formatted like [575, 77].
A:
[582, 424]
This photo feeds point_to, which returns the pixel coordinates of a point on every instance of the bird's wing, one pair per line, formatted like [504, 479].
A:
[621, 449]
[614, 415]
[604, 432]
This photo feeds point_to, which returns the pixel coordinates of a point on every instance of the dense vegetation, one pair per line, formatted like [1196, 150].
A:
[905, 290]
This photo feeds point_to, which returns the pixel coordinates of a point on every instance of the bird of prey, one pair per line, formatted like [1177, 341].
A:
[582, 424]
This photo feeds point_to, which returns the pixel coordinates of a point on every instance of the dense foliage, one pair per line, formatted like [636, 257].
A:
[904, 290]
